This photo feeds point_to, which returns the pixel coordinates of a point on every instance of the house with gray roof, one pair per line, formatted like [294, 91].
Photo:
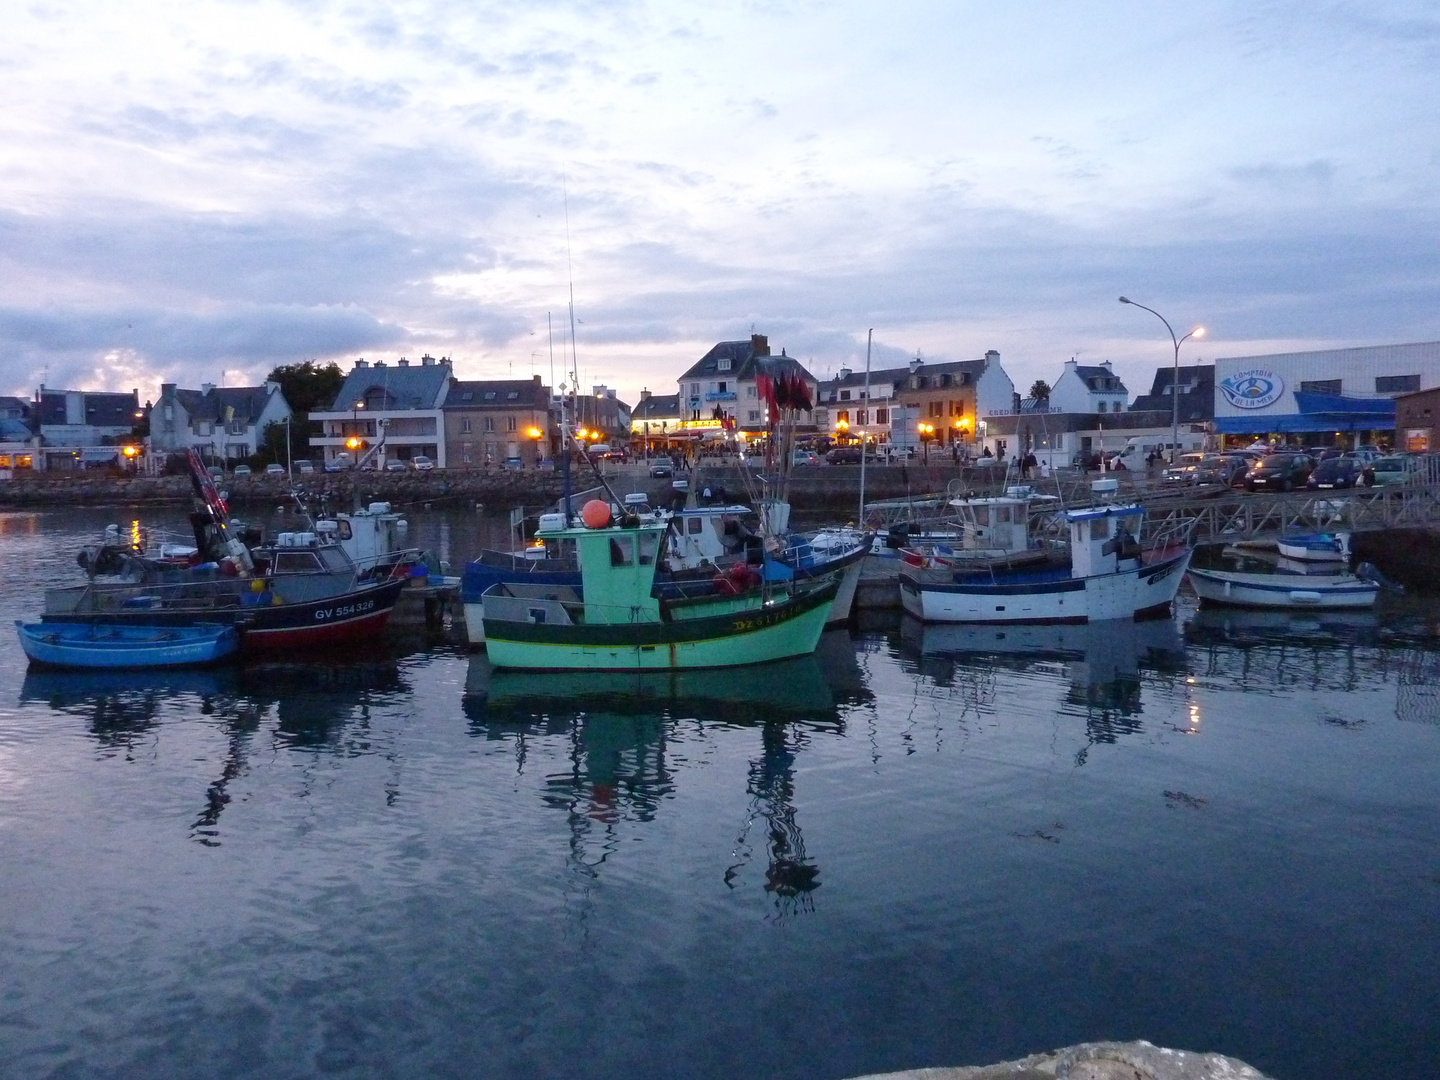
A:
[498, 421]
[78, 418]
[721, 386]
[225, 423]
[1089, 389]
[399, 405]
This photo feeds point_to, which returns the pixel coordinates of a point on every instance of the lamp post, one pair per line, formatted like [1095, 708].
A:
[926, 430]
[1198, 332]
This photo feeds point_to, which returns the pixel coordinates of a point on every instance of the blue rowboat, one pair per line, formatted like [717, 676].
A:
[112, 645]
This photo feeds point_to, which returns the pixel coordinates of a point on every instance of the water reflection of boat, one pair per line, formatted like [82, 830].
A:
[1118, 643]
[795, 688]
[311, 705]
[1242, 625]
[619, 726]
[1103, 660]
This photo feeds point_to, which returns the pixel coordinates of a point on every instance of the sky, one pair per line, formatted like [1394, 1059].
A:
[199, 192]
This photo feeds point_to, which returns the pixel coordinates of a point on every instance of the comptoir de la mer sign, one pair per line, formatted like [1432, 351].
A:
[1254, 388]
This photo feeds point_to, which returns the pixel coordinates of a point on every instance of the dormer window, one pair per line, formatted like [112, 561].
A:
[844, 395]
[722, 364]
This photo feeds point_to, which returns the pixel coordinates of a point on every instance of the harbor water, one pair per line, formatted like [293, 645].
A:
[924, 845]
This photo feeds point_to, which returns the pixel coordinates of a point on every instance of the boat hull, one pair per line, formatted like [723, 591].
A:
[752, 636]
[332, 621]
[1274, 592]
[1046, 598]
[112, 647]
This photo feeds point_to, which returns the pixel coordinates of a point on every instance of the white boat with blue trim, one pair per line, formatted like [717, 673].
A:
[1316, 547]
[1341, 589]
[1104, 575]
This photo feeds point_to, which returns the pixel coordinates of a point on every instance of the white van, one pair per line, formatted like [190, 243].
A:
[1138, 449]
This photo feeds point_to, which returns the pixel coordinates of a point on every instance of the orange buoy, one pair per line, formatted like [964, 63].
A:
[595, 514]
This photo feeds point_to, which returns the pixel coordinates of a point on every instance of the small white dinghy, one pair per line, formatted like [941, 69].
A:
[1316, 547]
[1338, 590]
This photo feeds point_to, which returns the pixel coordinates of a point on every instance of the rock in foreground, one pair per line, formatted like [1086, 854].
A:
[1095, 1061]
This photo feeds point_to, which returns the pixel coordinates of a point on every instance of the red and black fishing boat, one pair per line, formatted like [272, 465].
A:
[301, 591]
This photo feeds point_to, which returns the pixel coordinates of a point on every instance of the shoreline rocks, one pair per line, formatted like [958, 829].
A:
[1138, 1060]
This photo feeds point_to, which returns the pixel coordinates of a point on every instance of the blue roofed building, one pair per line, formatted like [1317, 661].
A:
[399, 405]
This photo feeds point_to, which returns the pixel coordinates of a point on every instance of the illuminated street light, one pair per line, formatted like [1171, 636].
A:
[1198, 332]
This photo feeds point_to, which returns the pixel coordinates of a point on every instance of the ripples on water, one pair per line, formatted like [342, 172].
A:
[922, 846]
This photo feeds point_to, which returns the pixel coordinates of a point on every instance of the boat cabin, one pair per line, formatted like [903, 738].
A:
[617, 576]
[703, 534]
[1000, 525]
[1104, 539]
[368, 536]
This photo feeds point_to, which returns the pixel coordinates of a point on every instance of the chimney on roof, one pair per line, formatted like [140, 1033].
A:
[992, 356]
[206, 387]
[644, 395]
[379, 363]
[427, 360]
[404, 362]
[844, 374]
[916, 365]
[361, 363]
[271, 386]
[537, 379]
[759, 344]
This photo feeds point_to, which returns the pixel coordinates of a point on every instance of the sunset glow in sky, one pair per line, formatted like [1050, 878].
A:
[199, 192]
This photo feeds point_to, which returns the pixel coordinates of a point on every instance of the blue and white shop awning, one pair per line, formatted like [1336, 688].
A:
[1315, 412]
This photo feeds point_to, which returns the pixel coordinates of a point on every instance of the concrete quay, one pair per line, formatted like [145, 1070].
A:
[1095, 1061]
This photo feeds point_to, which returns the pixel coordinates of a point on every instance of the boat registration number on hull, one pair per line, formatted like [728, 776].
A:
[325, 614]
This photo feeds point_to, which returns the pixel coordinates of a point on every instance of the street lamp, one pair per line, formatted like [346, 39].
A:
[534, 433]
[926, 430]
[1198, 332]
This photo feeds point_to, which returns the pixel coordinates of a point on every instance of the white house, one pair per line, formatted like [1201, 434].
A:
[1088, 389]
[222, 422]
[400, 403]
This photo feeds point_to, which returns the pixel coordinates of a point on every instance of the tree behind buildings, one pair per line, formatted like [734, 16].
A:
[307, 386]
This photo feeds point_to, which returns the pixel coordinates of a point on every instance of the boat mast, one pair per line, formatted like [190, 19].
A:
[869, 412]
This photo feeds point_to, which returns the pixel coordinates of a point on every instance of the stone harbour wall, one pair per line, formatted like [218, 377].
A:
[1095, 1061]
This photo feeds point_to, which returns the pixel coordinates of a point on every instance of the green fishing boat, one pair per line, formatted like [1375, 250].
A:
[616, 622]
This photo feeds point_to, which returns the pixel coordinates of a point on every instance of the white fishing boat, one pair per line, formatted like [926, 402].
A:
[1316, 547]
[991, 531]
[1340, 589]
[1107, 576]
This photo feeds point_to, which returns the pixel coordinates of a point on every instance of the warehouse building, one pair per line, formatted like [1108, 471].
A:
[1321, 397]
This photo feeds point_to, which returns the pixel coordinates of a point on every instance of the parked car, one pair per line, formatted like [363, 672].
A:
[1183, 471]
[338, 463]
[242, 470]
[661, 470]
[1394, 470]
[1336, 472]
[844, 455]
[1224, 469]
[274, 469]
[1366, 455]
[1279, 472]
[804, 457]
[421, 463]
[216, 472]
[304, 466]
[394, 464]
